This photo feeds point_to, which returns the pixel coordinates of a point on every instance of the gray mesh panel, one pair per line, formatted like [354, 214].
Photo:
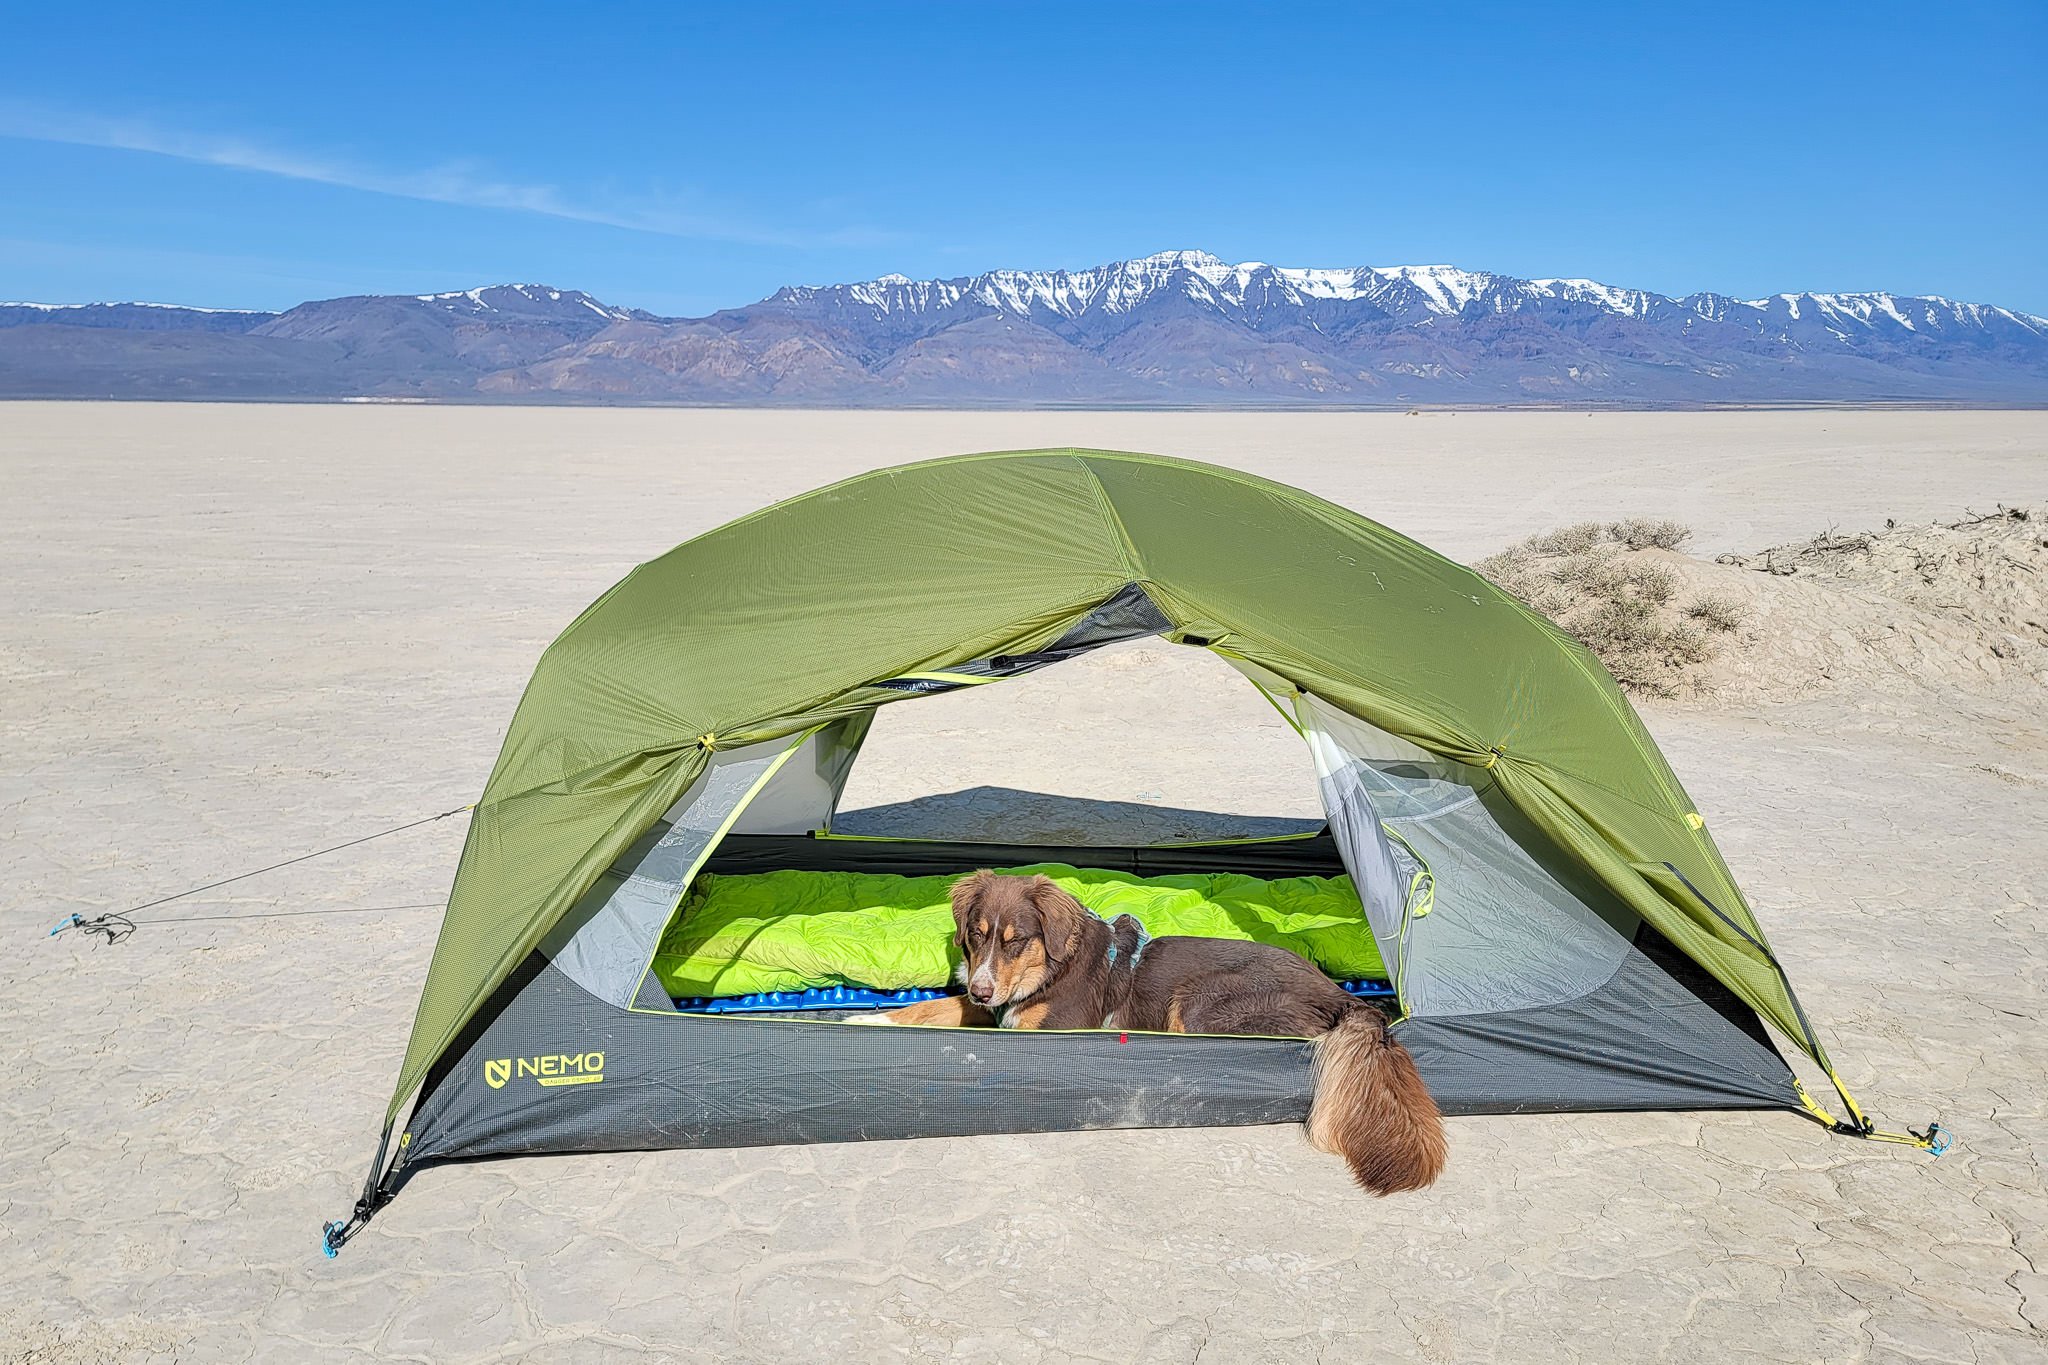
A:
[1508, 930]
[1512, 923]
[1368, 856]
[604, 942]
[1130, 615]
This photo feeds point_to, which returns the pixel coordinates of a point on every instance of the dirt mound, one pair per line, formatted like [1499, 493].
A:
[1988, 570]
[1904, 610]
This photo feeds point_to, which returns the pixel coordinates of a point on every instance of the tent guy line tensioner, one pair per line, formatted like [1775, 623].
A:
[115, 925]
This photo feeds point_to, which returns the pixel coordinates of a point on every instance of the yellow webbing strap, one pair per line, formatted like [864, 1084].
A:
[946, 676]
[1934, 1140]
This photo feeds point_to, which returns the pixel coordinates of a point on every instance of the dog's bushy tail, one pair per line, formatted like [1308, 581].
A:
[1371, 1107]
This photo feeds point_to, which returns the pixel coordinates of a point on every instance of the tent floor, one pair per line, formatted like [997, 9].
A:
[546, 1066]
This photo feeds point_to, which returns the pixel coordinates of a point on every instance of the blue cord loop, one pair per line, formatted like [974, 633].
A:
[335, 1236]
[112, 926]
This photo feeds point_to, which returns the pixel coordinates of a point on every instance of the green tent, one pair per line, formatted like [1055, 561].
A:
[1560, 930]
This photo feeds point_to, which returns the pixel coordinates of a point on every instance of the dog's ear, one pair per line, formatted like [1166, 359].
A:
[1059, 916]
[966, 892]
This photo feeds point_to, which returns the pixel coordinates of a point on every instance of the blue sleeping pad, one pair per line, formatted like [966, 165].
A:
[859, 998]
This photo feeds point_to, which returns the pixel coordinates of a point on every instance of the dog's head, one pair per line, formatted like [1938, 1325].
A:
[1014, 935]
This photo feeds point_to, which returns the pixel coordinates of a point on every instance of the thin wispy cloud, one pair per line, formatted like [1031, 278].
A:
[458, 183]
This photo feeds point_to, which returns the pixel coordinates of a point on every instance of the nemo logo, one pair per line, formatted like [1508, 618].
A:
[551, 1069]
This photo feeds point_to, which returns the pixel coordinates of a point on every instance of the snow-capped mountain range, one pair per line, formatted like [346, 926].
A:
[528, 300]
[1176, 328]
[1409, 294]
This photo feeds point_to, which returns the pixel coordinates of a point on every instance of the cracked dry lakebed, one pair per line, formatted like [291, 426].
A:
[236, 633]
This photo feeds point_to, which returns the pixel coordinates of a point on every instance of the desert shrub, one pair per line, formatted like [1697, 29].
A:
[1649, 582]
[1719, 614]
[1512, 562]
[1641, 533]
[1566, 540]
[1606, 575]
[1622, 606]
[1688, 644]
[1551, 598]
[1641, 646]
[1590, 573]
[1617, 626]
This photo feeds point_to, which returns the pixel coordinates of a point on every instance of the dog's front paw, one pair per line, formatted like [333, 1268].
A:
[872, 1017]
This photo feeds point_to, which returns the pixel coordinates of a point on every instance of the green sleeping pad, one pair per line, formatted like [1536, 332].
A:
[793, 931]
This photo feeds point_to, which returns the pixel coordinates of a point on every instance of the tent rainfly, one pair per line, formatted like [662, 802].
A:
[1558, 928]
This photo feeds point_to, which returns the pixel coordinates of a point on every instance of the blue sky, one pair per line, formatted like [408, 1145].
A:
[684, 158]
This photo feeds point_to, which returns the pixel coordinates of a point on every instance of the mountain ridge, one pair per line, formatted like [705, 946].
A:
[1176, 328]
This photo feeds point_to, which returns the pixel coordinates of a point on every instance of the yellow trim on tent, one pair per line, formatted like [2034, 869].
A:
[937, 675]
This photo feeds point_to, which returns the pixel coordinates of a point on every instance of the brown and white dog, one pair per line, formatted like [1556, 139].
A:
[1036, 958]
